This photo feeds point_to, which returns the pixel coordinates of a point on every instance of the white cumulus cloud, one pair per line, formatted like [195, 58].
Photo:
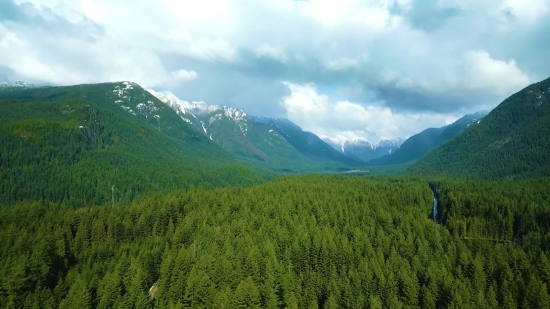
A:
[486, 74]
[384, 68]
[343, 119]
[185, 74]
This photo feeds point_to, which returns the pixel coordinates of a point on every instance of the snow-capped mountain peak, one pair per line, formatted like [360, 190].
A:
[357, 140]
[363, 149]
[233, 113]
[197, 107]
[335, 142]
[202, 116]
[175, 103]
[391, 143]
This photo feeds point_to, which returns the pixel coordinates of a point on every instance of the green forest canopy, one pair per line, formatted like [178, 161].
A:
[75, 152]
[512, 142]
[298, 242]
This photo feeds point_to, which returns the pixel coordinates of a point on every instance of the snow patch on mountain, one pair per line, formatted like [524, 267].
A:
[341, 144]
[17, 85]
[120, 90]
[147, 108]
[129, 110]
[336, 143]
[390, 143]
[204, 113]
[361, 148]
[197, 107]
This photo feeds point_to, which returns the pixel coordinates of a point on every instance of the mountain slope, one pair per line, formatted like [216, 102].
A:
[255, 143]
[307, 143]
[72, 144]
[113, 97]
[420, 144]
[512, 141]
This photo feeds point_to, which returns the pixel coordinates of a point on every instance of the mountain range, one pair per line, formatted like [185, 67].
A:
[263, 146]
[361, 149]
[275, 144]
[507, 142]
[279, 144]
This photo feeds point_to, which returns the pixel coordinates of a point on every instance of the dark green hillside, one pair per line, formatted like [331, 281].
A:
[122, 98]
[307, 143]
[74, 151]
[420, 144]
[277, 153]
[512, 141]
[413, 148]
[460, 125]
[297, 242]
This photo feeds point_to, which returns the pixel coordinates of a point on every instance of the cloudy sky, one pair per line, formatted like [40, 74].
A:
[340, 68]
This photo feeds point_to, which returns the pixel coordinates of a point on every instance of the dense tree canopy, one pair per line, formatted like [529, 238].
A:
[299, 242]
[515, 212]
[512, 142]
[75, 152]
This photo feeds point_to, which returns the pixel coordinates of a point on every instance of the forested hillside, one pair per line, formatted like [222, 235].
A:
[121, 98]
[412, 149]
[418, 145]
[76, 150]
[297, 242]
[276, 153]
[513, 141]
[307, 143]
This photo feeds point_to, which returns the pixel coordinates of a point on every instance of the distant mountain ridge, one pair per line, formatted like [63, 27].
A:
[512, 141]
[262, 142]
[306, 142]
[361, 149]
[418, 145]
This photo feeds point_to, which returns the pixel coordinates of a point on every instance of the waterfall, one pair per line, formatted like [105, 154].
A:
[435, 208]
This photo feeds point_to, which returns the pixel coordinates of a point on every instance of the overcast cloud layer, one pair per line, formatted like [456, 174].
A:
[370, 68]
